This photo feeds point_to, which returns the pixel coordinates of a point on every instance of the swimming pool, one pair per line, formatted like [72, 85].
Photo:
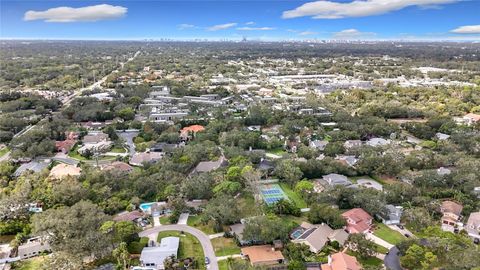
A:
[145, 207]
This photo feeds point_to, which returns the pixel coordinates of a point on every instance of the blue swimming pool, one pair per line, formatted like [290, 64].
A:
[145, 207]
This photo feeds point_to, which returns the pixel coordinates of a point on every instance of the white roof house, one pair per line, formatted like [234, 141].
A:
[155, 256]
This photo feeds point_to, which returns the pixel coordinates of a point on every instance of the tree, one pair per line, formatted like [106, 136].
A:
[223, 210]
[296, 265]
[74, 230]
[120, 231]
[227, 187]
[418, 218]
[287, 171]
[324, 213]
[285, 207]
[126, 114]
[122, 255]
[304, 186]
[265, 229]
[297, 252]
[359, 243]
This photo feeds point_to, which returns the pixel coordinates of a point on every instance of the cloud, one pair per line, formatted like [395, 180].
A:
[255, 28]
[307, 33]
[184, 26]
[249, 23]
[82, 14]
[353, 34]
[221, 26]
[467, 29]
[358, 8]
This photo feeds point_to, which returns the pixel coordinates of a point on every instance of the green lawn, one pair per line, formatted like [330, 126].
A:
[248, 207]
[293, 221]
[3, 151]
[118, 150]
[387, 234]
[294, 196]
[371, 261]
[225, 246]
[165, 220]
[277, 151]
[74, 154]
[29, 264]
[223, 264]
[189, 246]
[196, 221]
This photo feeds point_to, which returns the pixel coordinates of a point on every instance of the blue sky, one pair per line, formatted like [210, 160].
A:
[254, 19]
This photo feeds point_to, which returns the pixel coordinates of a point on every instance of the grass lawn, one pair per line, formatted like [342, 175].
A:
[3, 151]
[294, 196]
[380, 249]
[277, 151]
[371, 261]
[293, 221]
[248, 207]
[225, 246]
[118, 150]
[196, 221]
[387, 234]
[164, 220]
[223, 264]
[74, 154]
[29, 264]
[189, 246]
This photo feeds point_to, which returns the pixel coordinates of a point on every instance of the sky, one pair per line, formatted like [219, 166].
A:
[234, 20]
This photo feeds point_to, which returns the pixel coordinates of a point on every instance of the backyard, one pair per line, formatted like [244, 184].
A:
[190, 247]
[196, 221]
[225, 246]
[294, 196]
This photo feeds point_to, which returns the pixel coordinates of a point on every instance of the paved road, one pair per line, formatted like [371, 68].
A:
[392, 261]
[128, 137]
[201, 236]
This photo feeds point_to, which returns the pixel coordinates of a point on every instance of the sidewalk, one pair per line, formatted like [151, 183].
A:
[221, 258]
[156, 221]
[217, 235]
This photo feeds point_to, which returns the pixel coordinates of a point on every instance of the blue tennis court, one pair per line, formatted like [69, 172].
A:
[272, 193]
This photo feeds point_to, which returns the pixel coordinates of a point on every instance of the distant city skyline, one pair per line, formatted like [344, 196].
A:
[428, 20]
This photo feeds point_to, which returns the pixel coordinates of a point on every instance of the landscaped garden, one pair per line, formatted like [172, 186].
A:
[189, 247]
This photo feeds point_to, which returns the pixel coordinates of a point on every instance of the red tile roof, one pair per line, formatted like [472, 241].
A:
[342, 261]
[193, 128]
[362, 220]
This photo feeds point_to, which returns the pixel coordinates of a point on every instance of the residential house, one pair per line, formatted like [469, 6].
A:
[334, 179]
[318, 235]
[358, 220]
[208, 166]
[352, 144]
[128, 216]
[33, 247]
[451, 215]
[155, 256]
[263, 255]
[473, 226]
[62, 170]
[188, 133]
[347, 160]
[95, 142]
[341, 261]
[33, 166]
[468, 119]
[118, 167]
[65, 146]
[378, 142]
[318, 144]
[369, 183]
[162, 147]
[139, 159]
[392, 215]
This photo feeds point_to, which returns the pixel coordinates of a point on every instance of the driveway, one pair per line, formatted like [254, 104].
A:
[402, 231]
[128, 136]
[204, 240]
[182, 219]
[392, 261]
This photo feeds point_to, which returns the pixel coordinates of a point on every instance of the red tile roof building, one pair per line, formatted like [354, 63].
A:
[341, 261]
[358, 221]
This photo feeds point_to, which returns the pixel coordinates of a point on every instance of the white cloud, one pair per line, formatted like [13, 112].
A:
[185, 26]
[255, 28]
[467, 29]
[82, 14]
[353, 34]
[358, 8]
[221, 26]
[307, 33]
[249, 23]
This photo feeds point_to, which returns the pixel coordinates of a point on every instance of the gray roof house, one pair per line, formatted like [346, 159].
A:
[34, 166]
[319, 145]
[318, 235]
[208, 166]
[33, 247]
[352, 144]
[155, 256]
[237, 232]
[334, 179]
[473, 225]
[378, 142]
[393, 215]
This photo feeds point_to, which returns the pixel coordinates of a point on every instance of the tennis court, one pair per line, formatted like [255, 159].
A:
[272, 193]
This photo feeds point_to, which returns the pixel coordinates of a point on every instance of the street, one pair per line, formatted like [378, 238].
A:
[392, 261]
[204, 240]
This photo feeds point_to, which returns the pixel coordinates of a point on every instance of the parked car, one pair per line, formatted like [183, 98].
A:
[207, 261]
[407, 235]
[400, 226]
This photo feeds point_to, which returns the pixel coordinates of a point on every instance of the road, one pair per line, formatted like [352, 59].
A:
[128, 136]
[208, 250]
[392, 261]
